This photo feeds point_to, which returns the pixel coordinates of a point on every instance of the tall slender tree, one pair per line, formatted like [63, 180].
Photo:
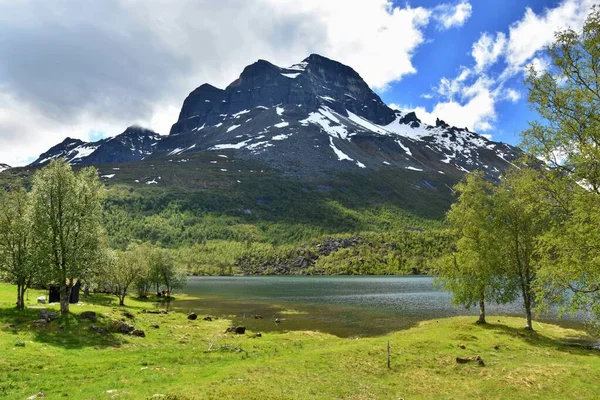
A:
[16, 262]
[520, 220]
[473, 271]
[567, 97]
[66, 212]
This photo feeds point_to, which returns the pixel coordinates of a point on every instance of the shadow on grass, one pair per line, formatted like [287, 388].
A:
[68, 331]
[580, 344]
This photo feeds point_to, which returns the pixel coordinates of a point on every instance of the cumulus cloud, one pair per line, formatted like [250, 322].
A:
[487, 50]
[71, 69]
[449, 16]
[534, 32]
[470, 98]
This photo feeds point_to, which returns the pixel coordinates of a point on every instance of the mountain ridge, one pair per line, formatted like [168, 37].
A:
[314, 118]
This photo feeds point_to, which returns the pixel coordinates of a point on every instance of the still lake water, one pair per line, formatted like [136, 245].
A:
[341, 305]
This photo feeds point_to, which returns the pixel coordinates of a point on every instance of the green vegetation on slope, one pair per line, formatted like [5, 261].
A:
[215, 222]
[194, 359]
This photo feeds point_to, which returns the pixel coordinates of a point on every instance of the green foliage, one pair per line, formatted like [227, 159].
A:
[567, 96]
[17, 265]
[121, 270]
[66, 220]
[473, 270]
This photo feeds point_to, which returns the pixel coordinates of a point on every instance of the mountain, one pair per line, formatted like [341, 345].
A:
[314, 118]
[134, 144]
[4, 167]
[319, 117]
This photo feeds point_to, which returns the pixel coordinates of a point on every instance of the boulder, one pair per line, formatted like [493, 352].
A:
[39, 323]
[48, 315]
[465, 360]
[89, 316]
[122, 327]
[156, 326]
[138, 333]
[37, 396]
[41, 300]
[208, 318]
[192, 316]
[239, 330]
[97, 329]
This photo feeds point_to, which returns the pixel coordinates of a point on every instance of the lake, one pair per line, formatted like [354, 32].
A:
[345, 306]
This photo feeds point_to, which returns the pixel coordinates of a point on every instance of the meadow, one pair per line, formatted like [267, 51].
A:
[184, 359]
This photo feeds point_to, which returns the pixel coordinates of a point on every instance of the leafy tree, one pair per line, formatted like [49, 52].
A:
[122, 269]
[16, 262]
[164, 271]
[473, 271]
[520, 219]
[66, 213]
[567, 97]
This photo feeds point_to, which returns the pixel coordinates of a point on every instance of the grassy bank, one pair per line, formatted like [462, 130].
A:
[195, 360]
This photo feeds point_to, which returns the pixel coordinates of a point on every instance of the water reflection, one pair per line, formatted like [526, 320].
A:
[343, 306]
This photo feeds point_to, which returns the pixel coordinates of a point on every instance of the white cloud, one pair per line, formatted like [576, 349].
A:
[470, 98]
[487, 50]
[449, 16]
[512, 95]
[119, 62]
[534, 32]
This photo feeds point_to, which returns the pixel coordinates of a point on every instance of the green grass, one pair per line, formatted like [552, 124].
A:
[196, 360]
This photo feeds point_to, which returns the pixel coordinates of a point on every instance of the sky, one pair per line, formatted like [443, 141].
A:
[88, 69]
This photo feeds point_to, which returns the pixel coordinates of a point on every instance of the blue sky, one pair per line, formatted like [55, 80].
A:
[446, 52]
[90, 71]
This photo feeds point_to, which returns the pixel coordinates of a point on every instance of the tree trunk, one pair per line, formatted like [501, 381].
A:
[65, 294]
[20, 297]
[122, 300]
[529, 325]
[481, 319]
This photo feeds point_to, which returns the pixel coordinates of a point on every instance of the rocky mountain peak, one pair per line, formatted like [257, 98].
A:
[4, 167]
[316, 117]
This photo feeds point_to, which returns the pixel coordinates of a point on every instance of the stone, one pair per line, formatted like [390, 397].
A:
[239, 330]
[208, 318]
[41, 300]
[156, 326]
[258, 317]
[48, 315]
[89, 316]
[462, 346]
[192, 316]
[466, 360]
[277, 320]
[138, 333]
[37, 396]
[122, 327]
[97, 329]
[39, 323]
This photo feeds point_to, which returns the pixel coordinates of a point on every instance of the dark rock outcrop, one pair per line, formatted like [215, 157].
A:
[192, 316]
[239, 330]
[89, 315]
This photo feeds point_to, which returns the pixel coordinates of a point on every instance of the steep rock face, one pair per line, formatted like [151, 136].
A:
[318, 116]
[134, 144]
[314, 118]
